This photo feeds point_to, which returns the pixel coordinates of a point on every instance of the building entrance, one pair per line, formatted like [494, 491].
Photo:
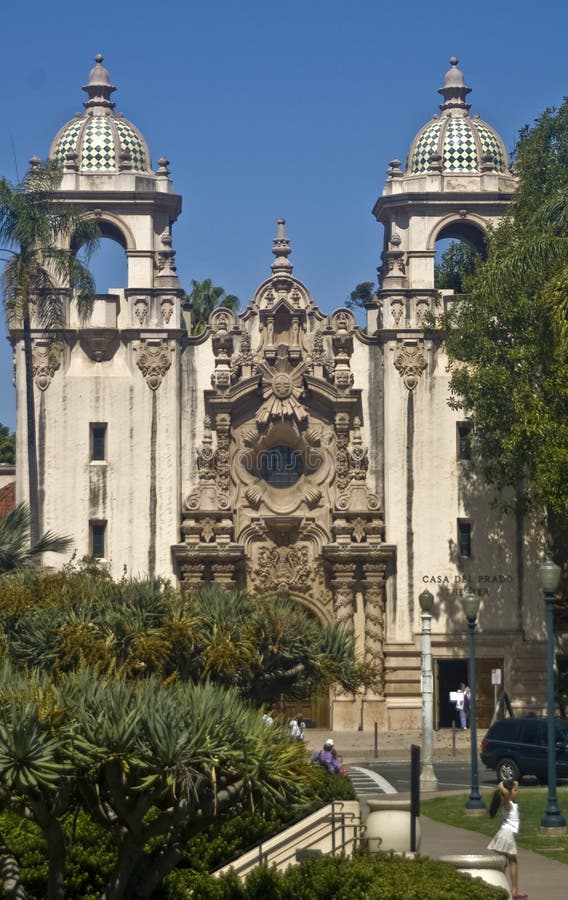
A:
[448, 674]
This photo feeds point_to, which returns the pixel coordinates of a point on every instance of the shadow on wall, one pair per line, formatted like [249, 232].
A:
[500, 562]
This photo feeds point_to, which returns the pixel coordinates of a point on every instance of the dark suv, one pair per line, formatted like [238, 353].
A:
[518, 746]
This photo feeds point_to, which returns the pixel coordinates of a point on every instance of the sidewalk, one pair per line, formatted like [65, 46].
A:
[541, 878]
[358, 747]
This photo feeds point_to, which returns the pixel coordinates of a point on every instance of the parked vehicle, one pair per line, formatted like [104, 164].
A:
[518, 746]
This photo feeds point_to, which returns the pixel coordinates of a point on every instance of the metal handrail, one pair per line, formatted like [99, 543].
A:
[332, 819]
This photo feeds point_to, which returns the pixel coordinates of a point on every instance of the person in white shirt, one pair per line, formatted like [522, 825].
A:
[504, 841]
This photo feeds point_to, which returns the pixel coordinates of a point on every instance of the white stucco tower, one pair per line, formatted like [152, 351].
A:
[438, 513]
[109, 478]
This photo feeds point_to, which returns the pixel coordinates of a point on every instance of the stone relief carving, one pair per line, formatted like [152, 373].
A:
[283, 568]
[141, 309]
[282, 387]
[45, 362]
[410, 361]
[397, 308]
[154, 360]
[422, 309]
[167, 308]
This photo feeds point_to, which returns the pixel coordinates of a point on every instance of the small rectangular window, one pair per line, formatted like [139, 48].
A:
[464, 537]
[98, 539]
[464, 440]
[98, 441]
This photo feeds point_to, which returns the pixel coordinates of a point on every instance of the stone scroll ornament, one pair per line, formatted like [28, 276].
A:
[154, 360]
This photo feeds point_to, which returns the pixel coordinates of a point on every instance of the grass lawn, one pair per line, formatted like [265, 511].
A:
[532, 801]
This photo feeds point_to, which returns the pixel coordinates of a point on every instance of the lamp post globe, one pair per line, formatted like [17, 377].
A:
[474, 805]
[553, 822]
[428, 780]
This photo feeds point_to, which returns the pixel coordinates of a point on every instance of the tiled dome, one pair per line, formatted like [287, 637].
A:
[455, 141]
[100, 141]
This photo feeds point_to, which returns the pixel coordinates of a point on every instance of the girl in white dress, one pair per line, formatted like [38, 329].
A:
[504, 841]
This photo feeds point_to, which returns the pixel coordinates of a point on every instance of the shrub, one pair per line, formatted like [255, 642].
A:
[90, 859]
[363, 877]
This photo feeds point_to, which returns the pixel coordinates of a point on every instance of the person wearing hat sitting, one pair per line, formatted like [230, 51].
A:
[327, 757]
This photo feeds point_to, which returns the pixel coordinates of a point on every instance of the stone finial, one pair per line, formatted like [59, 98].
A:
[281, 249]
[163, 166]
[99, 87]
[35, 161]
[394, 170]
[454, 91]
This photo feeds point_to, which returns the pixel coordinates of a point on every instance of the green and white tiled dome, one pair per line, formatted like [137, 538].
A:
[100, 141]
[456, 142]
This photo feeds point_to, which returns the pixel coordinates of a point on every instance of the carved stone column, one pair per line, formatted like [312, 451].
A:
[345, 706]
[224, 574]
[342, 585]
[191, 577]
[374, 604]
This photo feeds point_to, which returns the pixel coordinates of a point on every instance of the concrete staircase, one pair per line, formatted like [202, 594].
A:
[333, 829]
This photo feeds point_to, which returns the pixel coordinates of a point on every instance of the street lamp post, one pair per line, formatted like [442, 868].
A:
[428, 780]
[553, 822]
[475, 804]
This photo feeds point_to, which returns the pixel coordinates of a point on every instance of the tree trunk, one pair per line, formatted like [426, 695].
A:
[56, 852]
[10, 874]
[33, 485]
[130, 855]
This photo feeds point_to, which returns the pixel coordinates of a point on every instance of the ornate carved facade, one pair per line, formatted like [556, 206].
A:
[285, 448]
[281, 491]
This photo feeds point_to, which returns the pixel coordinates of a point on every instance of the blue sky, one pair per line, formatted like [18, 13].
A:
[272, 109]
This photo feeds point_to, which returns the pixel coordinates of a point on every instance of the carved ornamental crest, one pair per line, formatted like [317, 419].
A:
[154, 360]
[282, 568]
[282, 386]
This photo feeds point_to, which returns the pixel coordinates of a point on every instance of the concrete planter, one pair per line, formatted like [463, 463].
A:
[490, 867]
[387, 826]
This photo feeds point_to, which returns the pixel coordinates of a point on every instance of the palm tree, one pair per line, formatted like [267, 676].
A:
[16, 550]
[205, 297]
[39, 237]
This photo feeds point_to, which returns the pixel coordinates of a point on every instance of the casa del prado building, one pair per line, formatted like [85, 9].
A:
[285, 449]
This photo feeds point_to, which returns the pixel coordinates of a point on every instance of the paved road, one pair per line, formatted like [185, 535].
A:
[451, 775]
[389, 776]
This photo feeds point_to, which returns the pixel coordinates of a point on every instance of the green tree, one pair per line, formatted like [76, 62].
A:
[35, 234]
[456, 264]
[269, 647]
[141, 707]
[507, 339]
[262, 646]
[205, 297]
[360, 295]
[153, 764]
[7, 445]
[16, 549]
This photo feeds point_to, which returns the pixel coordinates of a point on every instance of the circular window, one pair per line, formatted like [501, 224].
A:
[280, 466]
